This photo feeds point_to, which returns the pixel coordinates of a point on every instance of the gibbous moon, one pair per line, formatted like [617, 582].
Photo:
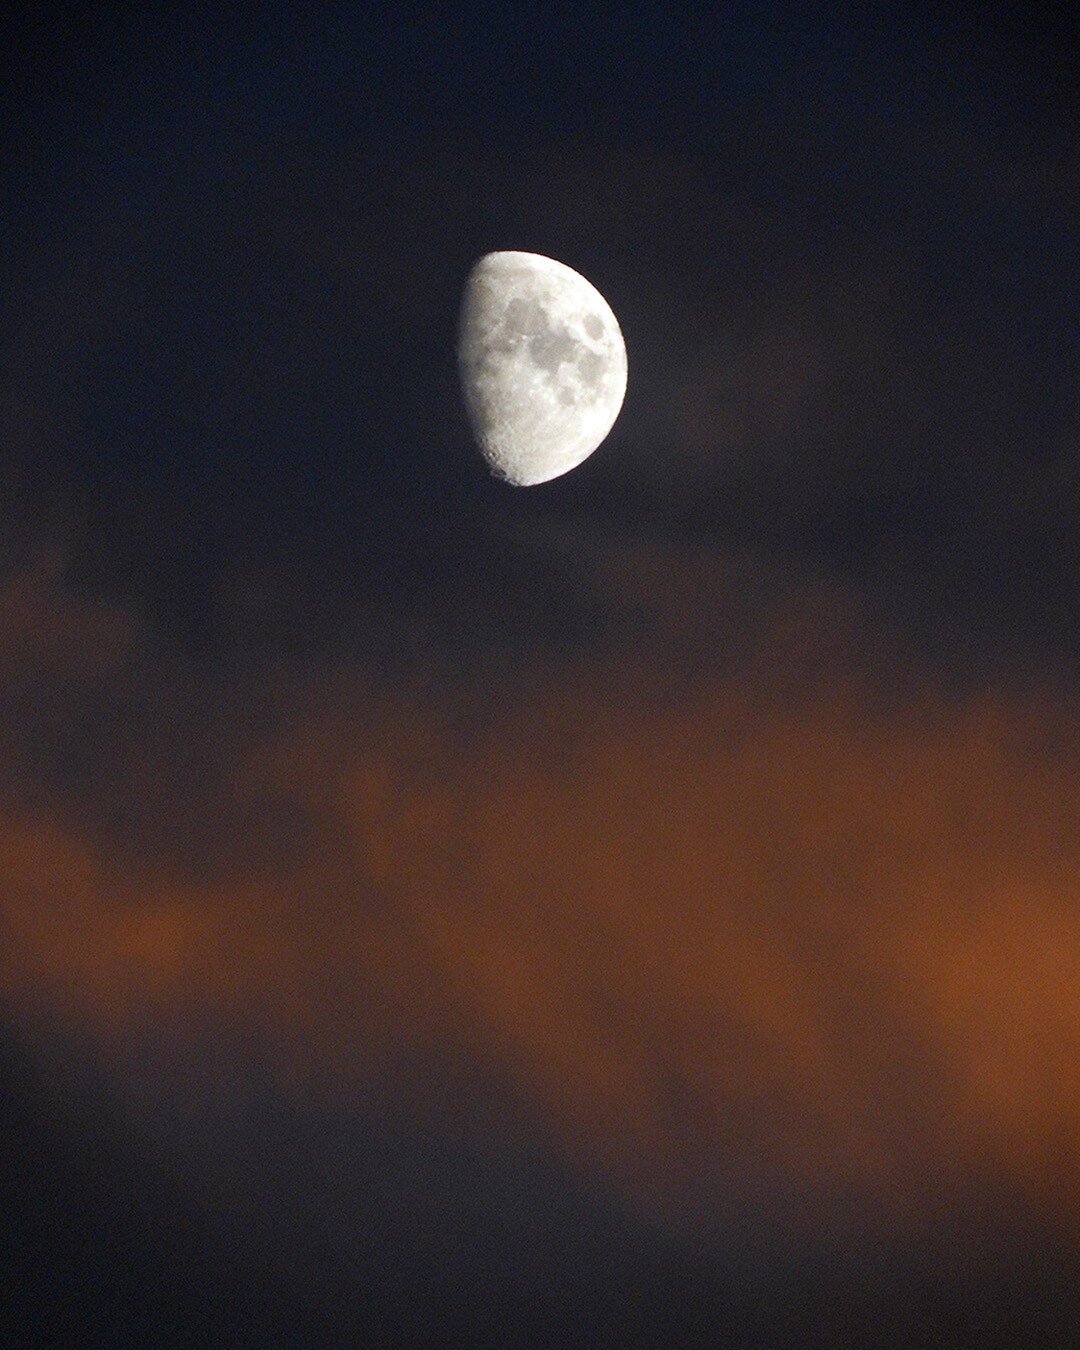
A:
[542, 362]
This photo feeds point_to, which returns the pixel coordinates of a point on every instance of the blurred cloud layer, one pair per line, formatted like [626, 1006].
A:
[794, 928]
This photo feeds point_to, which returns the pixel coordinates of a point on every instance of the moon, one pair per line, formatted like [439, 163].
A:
[542, 363]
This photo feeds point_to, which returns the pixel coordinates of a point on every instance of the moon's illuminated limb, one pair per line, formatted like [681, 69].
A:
[543, 365]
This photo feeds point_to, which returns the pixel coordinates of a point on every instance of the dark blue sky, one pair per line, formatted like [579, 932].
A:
[211, 226]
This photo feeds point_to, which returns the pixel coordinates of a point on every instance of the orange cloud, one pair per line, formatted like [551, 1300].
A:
[801, 939]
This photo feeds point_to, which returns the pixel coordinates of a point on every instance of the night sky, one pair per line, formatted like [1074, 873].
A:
[639, 910]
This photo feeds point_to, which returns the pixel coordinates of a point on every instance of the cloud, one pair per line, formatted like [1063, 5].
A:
[795, 931]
